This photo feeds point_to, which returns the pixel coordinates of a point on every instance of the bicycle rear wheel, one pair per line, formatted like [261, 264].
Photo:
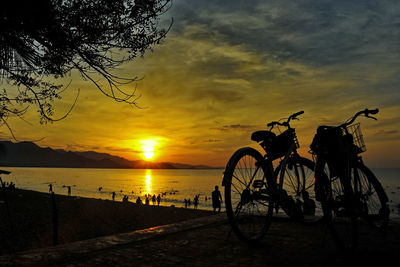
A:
[372, 198]
[247, 204]
[338, 208]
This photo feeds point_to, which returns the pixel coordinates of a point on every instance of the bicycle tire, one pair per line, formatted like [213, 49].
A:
[249, 217]
[373, 201]
[338, 208]
[299, 185]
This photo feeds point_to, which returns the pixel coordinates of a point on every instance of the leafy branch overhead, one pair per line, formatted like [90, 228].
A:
[41, 41]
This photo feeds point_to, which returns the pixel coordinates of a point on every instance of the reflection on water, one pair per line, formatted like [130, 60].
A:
[148, 182]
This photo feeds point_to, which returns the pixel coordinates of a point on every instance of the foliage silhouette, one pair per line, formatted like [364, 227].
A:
[42, 41]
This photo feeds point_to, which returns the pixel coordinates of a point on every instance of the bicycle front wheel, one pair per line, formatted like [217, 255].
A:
[372, 198]
[247, 203]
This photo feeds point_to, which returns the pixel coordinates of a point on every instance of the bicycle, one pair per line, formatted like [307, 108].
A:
[347, 189]
[254, 189]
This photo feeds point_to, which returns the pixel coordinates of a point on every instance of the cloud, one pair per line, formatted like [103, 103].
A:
[233, 127]
[387, 132]
[321, 32]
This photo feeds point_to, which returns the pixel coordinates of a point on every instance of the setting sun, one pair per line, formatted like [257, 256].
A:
[148, 148]
[148, 154]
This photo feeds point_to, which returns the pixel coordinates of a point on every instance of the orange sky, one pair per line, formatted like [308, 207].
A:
[227, 71]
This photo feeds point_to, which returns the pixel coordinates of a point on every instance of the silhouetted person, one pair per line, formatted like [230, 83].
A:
[113, 196]
[196, 201]
[186, 203]
[11, 186]
[216, 199]
[100, 188]
[125, 198]
[308, 204]
[189, 202]
[139, 201]
[153, 199]
[147, 201]
[69, 190]
[158, 200]
[50, 188]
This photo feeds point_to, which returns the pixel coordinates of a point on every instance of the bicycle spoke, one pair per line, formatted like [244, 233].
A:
[240, 181]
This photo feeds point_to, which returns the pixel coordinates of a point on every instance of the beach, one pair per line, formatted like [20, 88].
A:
[27, 218]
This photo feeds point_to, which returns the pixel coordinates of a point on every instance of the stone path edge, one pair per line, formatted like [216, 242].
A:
[58, 253]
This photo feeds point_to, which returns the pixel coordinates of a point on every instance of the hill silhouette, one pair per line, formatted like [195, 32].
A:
[28, 154]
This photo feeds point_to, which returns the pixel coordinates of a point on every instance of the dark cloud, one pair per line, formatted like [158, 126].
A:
[321, 32]
[119, 149]
[212, 141]
[221, 95]
[233, 127]
[387, 132]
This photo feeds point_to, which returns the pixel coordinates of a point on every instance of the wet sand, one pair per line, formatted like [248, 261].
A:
[26, 218]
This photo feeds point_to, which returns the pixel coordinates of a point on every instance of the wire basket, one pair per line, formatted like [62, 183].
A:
[358, 140]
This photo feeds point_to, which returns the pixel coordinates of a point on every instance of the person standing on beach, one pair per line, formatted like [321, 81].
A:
[113, 196]
[216, 199]
[196, 201]
[158, 200]
[153, 199]
[50, 188]
[69, 191]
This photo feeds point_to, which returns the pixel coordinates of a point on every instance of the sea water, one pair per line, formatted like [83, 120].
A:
[174, 185]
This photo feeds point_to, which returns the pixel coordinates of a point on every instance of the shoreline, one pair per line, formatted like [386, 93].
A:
[29, 218]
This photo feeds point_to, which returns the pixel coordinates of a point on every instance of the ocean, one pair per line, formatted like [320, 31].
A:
[174, 185]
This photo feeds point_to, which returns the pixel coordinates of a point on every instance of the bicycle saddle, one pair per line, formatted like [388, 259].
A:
[259, 136]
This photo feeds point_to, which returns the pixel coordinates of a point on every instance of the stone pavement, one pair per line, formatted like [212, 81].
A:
[207, 242]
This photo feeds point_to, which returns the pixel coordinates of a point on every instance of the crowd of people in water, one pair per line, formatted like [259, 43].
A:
[149, 199]
[146, 199]
[9, 185]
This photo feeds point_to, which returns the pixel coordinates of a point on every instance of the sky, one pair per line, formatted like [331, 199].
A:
[227, 68]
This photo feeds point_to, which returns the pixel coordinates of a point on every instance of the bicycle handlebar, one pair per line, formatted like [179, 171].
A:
[366, 112]
[285, 123]
[293, 116]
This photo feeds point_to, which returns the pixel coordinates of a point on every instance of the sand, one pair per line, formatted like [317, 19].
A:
[26, 218]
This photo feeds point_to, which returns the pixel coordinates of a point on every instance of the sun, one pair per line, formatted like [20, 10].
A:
[148, 154]
[148, 148]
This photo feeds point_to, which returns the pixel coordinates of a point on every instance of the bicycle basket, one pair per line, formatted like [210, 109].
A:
[327, 140]
[358, 140]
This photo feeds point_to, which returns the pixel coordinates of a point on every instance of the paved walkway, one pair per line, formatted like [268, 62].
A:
[208, 242]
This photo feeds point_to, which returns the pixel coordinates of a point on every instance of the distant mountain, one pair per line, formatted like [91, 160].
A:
[28, 154]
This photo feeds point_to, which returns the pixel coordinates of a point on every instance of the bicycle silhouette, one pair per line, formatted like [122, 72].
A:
[348, 191]
[254, 189]
[344, 187]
